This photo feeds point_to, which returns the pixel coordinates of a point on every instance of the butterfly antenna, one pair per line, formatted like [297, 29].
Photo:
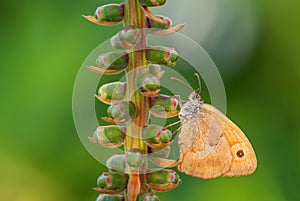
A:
[173, 124]
[182, 82]
[199, 82]
[176, 132]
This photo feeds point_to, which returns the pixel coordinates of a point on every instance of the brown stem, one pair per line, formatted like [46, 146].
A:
[134, 16]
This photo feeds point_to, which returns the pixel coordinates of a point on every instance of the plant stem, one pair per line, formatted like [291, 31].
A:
[134, 16]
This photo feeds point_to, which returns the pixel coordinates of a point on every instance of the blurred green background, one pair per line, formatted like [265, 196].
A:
[255, 45]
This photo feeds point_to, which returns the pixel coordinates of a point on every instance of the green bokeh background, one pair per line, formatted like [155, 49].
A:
[43, 44]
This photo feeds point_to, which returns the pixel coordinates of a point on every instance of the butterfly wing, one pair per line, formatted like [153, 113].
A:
[212, 145]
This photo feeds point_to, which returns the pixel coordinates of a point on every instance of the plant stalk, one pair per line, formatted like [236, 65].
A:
[134, 16]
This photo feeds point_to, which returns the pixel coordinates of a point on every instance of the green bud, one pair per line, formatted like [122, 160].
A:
[110, 13]
[164, 106]
[110, 63]
[157, 137]
[126, 38]
[160, 157]
[163, 177]
[148, 84]
[107, 15]
[113, 60]
[164, 162]
[165, 135]
[112, 92]
[111, 182]
[156, 25]
[109, 136]
[149, 3]
[116, 163]
[107, 197]
[147, 197]
[161, 153]
[162, 55]
[163, 180]
[155, 70]
[160, 25]
[120, 112]
[134, 158]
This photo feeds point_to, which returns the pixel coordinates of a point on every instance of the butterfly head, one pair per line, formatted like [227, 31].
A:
[195, 97]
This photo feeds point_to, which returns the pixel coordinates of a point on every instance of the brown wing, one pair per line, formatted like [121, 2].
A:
[212, 145]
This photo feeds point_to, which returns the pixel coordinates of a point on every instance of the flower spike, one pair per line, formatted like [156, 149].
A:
[131, 102]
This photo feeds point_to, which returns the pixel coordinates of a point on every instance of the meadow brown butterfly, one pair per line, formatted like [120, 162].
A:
[211, 145]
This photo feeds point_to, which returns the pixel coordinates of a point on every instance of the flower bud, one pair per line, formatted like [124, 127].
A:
[160, 157]
[113, 60]
[147, 197]
[163, 180]
[107, 197]
[112, 92]
[116, 163]
[109, 136]
[107, 15]
[111, 182]
[120, 112]
[148, 84]
[161, 153]
[134, 158]
[149, 3]
[164, 162]
[156, 25]
[162, 55]
[160, 25]
[110, 63]
[155, 70]
[110, 13]
[157, 137]
[164, 106]
[126, 38]
[167, 31]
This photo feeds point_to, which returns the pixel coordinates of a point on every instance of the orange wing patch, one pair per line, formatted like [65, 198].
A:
[212, 145]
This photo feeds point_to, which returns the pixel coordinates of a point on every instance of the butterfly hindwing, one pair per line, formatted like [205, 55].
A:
[211, 145]
[243, 156]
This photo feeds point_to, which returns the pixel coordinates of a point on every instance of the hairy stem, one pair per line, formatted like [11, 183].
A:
[134, 16]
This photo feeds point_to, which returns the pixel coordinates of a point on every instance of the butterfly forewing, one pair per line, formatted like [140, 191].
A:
[211, 145]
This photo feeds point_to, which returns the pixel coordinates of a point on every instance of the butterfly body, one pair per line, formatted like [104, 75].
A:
[210, 144]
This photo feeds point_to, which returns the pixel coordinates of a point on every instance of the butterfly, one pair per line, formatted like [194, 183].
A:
[210, 144]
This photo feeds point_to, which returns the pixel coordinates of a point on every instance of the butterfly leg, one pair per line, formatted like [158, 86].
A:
[163, 162]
